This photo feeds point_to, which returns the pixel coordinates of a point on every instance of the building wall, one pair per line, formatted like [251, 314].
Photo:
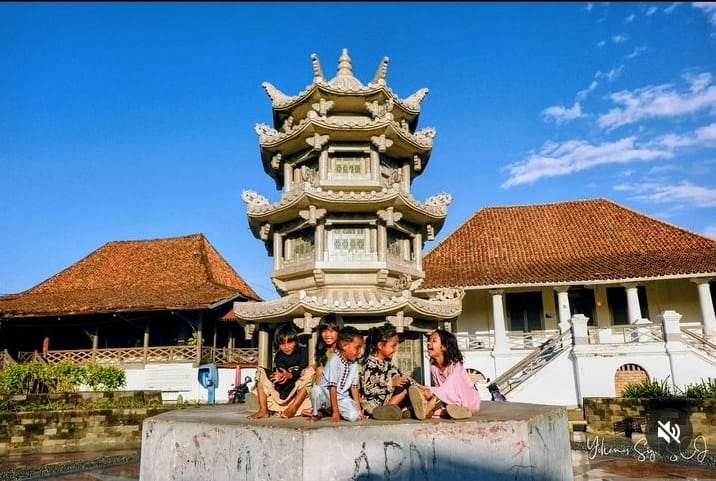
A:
[680, 295]
[181, 379]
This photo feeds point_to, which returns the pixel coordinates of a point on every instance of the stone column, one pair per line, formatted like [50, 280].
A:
[498, 316]
[707, 308]
[633, 307]
[277, 251]
[264, 349]
[319, 242]
[579, 329]
[418, 249]
[563, 308]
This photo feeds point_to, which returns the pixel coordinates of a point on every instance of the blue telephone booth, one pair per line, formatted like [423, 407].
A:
[209, 379]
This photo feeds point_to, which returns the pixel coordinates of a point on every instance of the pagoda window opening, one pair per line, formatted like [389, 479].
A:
[350, 244]
[300, 246]
[399, 247]
[349, 163]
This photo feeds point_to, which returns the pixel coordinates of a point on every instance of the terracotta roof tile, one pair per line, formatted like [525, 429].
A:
[576, 241]
[179, 272]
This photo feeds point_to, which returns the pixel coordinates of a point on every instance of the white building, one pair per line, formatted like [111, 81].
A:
[573, 299]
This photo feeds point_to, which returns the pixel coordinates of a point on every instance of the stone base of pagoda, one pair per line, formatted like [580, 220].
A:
[504, 441]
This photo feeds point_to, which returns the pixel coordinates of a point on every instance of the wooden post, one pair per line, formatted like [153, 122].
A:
[146, 342]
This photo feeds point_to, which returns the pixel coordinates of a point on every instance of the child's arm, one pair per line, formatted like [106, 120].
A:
[335, 413]
[355, 394]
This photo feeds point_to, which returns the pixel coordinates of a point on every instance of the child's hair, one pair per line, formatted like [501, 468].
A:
[347, 334]
[286, 332]
[493, 387]
[452, 351]
[377, 335]
[328, 321]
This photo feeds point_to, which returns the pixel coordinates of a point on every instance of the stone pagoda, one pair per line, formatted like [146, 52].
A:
[347, 235]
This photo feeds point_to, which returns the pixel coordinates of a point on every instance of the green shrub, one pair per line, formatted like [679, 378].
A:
[704, 389]
[64, 376]
[648, 389]
[22, 379]
[104, 378]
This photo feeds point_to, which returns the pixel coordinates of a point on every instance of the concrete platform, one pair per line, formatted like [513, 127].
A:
[504, 441]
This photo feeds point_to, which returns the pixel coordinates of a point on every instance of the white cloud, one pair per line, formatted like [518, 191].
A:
[703, 136]
[582, 94]
[698, 82]
[619, 38]
[630, 18]
[658, 101]
[612, 75]
[635, 52]
[601, 43]
[710, 231]
[577, 155]
[686, 192]
[589, 6]
[709, 9]
[651, 11]
[671, 7]
[559, 114]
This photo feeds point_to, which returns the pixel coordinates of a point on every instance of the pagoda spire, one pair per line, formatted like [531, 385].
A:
[344, 78]
[345, 68]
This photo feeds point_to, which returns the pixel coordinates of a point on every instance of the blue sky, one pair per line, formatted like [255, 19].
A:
[136, 120]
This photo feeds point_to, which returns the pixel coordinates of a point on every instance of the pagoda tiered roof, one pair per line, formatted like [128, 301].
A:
[346, 89]
[260, 211]
[364, 302]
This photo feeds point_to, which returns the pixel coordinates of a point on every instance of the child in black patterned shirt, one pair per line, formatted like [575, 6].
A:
[384, 388]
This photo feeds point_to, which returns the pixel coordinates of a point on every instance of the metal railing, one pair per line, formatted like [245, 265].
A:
[693, 337]
[536, 360]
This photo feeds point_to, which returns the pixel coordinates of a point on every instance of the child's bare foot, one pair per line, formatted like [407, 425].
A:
[259, 414]
[289, 412]
[315, 417]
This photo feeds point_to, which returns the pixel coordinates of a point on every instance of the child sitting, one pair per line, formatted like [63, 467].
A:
[453, 394]
[285, 390]
[337, 388]
[327, 343]
[384, 387]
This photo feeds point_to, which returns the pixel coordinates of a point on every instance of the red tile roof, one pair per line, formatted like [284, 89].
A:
[578, 241]
[174, 273]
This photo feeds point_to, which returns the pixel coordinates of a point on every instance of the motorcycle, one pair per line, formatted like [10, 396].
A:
[237, 394]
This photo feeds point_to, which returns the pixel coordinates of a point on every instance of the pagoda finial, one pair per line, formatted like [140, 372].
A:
[345, 69]
[317, 71]
[379, 77]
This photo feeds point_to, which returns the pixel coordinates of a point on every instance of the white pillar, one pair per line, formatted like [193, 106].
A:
[565, 312]
[498, 316]
[264, 349]
[675, 349]
[707, 307]
[633, 308]
[580, 332]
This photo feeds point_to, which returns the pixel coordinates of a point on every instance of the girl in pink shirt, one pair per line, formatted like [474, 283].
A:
[452, 394]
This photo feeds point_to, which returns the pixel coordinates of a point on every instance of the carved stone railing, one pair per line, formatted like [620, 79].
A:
[625, 334]
[517, 340]
[140, 355]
